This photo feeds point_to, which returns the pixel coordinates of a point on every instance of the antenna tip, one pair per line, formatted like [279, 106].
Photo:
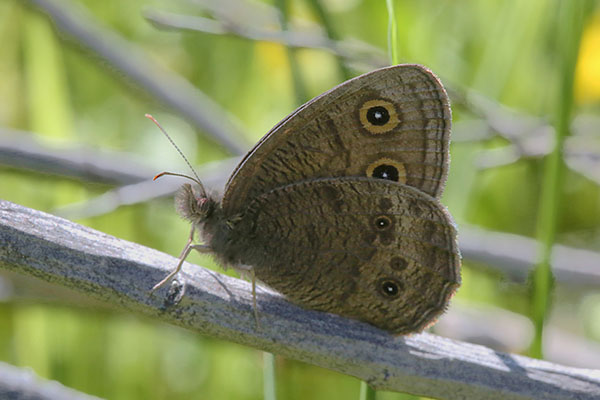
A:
[158, 176]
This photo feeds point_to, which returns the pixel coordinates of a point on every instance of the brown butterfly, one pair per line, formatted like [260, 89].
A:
[337, 206]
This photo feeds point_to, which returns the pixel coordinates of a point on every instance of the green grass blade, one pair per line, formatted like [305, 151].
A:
[366, 391]
[269, 376]
[392, 33]
[48, 100]
[570, 26]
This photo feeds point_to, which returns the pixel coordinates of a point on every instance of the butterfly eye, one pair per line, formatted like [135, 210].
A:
[382, 223]
[389, 287]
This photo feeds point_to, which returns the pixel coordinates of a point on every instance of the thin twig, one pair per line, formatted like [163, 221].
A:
[126, 58]
[354, 51]
[213, 175]
[22, 150]
[515, 255]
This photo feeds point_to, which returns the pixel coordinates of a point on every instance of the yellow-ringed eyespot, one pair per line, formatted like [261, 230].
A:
[386, 168]
[378, 116]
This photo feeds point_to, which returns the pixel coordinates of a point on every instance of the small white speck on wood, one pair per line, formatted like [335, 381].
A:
[122, 273]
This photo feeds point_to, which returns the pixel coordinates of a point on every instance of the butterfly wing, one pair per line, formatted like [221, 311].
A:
[370, 249]
[392, 123]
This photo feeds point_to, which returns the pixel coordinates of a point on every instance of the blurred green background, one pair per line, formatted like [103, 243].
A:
[502, 61]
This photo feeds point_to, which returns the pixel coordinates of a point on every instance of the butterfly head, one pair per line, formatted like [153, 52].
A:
[193, 204]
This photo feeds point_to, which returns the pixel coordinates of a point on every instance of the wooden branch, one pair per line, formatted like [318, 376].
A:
[213, 175]
[515, 255]
[22, 384]
[121, 273]
[23, 150]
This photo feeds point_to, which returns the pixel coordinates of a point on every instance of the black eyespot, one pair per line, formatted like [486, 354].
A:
[378, 115]
[389, 287]
[386, 171]
[382, 223]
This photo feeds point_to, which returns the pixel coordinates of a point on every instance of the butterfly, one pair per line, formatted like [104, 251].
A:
[337, 207]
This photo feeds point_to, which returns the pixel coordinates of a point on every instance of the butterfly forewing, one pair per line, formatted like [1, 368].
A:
[392, 123]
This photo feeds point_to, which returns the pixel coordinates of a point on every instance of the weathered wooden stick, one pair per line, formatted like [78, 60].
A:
[122, 273]
[24, 384]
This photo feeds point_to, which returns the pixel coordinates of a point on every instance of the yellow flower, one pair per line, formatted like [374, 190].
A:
[587, 75]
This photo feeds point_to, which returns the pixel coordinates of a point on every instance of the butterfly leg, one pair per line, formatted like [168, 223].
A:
[247, 272]
[201, 248]
[184, 253]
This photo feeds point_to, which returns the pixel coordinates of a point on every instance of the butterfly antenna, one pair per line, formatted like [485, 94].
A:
[197, 180]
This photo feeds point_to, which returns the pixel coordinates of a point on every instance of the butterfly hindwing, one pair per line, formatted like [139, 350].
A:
[378, 251]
